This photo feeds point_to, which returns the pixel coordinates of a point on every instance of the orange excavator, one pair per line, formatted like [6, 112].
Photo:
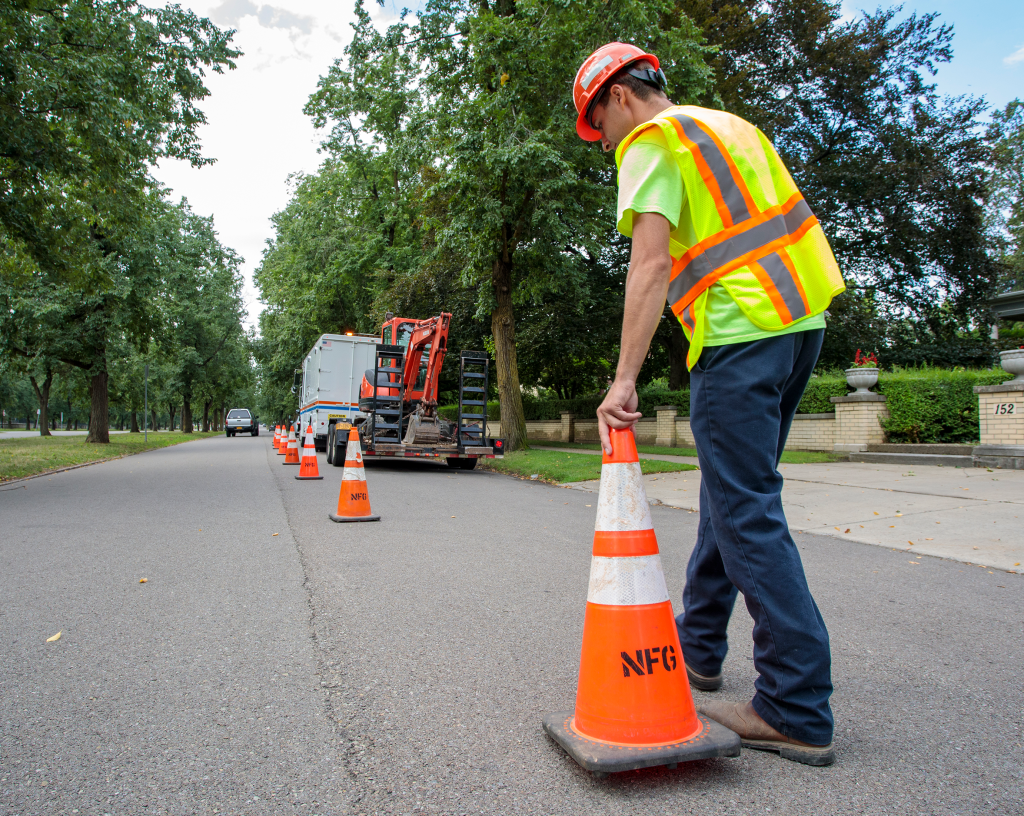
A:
[398, 397]
[406, 387]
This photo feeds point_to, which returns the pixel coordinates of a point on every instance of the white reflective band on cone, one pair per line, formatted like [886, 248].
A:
[622, 501]
[628, 581]
[353, 474]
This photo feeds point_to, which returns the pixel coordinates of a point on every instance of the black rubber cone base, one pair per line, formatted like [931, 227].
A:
[714, 740]
[333, 517]
[308, 478]
[291, 463]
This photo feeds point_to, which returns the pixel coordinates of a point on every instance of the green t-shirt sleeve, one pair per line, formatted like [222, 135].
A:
[649, 181]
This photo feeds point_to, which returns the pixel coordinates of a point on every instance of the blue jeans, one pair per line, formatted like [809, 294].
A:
[742, 401]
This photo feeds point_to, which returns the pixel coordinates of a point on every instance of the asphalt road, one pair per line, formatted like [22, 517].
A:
[404, 667]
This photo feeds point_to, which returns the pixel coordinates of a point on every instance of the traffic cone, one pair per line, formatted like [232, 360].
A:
[353, 500]
[291, 449]
[282, 442]
[633, 703]
[277, 436]
[309, 470]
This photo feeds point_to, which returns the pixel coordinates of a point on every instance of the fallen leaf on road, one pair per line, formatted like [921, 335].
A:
[974, 548]
[876, 513]
[914, 562]
[589, 505]
[453, 516]
[55, 637]
[835, 528]
[898, 515]
[847, 529]
[929, 539]
[1017, 564]
[911, 543]
[892, 525]
[143, 580]
[275, 534]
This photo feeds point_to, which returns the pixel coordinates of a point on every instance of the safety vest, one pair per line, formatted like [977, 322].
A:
[750, 228]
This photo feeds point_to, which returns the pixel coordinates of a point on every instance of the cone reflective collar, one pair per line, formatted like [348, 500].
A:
[309, 469]
[353, 499]
[633, 703]
[291, 448]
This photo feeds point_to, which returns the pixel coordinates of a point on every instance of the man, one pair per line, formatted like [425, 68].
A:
[719, 229]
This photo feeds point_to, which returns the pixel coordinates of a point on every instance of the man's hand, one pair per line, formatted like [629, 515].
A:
[618, 410]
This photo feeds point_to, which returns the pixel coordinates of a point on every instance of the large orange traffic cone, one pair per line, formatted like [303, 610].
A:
[309, 470]
[277, 437]
[633, 703]
[282, 442]
[291, 456]
[353, 500]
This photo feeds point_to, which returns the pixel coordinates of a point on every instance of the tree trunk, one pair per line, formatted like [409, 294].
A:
[154, 425]
[43, 395]
[206, 416]
[172, 410]
[99, 409]
[186, 416]
[135, 422]
[503, 327]
[678, 373]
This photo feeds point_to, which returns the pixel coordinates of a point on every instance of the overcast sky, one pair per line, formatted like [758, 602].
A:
[259, 135]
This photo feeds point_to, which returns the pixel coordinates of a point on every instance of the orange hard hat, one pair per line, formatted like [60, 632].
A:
[597, 69]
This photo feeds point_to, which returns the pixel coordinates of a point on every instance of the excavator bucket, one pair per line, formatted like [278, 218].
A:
[422, 430]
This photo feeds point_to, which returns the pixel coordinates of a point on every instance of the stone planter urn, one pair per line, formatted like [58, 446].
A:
[1013, 361]
[862, 379]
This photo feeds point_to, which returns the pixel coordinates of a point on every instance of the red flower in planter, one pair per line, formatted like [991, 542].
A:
[868, 360]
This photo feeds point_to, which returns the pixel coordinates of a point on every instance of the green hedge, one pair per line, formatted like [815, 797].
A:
[933, 404]
[819, 390]
[925, 404]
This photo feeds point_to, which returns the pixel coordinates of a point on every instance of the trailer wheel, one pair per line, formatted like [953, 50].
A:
[468, 464]
[453, 463]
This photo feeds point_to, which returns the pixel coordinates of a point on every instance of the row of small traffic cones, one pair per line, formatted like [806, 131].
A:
[353, 498]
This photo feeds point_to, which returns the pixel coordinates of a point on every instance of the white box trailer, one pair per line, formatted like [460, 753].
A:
[331, 374]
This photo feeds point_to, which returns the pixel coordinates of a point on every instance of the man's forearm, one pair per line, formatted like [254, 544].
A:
[646, 290]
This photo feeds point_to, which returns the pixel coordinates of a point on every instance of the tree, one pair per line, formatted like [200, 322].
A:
[471, 106]
[1006, 207]
[92, 93]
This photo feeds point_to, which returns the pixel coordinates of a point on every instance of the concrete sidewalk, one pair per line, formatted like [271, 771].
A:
[971, 515]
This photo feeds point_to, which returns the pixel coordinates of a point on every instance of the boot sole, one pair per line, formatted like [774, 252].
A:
[704, 683]
[805, 754]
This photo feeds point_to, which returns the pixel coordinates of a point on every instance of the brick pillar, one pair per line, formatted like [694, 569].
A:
[568, 427]
[666, 436]
[859, 422]
[1001, 426]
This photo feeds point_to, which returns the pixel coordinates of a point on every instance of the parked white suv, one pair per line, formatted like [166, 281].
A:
[241, 419]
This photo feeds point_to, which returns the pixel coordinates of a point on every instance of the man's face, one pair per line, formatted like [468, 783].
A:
[613, 118]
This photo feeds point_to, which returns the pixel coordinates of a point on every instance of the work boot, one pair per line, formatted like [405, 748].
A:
[756, 733]
[704, 682]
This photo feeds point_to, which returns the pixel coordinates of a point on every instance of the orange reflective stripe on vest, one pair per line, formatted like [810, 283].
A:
[751, 240]
[719, 171]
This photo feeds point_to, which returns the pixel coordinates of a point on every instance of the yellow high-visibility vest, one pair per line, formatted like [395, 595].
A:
[754, 232]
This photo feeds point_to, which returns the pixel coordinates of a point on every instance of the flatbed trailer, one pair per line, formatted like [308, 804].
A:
[328, 388]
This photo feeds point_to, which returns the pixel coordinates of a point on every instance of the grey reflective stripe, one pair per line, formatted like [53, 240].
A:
[783, 280]
[727, 251]
[687, 320]
[731, 193]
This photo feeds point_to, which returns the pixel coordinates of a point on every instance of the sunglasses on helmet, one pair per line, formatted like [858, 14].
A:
[654, 78]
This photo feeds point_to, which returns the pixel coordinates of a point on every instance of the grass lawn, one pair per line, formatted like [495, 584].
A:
[788, 457]
[554, 466]
[26, 457]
